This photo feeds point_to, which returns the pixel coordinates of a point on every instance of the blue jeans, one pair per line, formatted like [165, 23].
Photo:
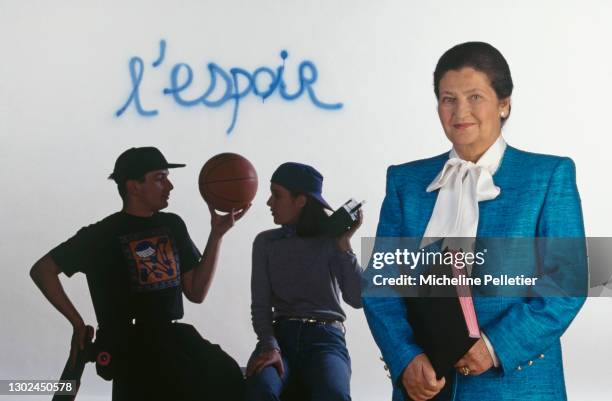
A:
[315, 359]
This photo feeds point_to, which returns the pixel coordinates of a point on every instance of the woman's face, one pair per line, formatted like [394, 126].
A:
[470, 111]
[284, 206]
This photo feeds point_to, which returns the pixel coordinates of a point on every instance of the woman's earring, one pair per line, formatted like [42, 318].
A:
[502, 114]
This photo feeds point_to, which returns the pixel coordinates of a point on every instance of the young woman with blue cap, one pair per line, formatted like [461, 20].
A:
[298, 275]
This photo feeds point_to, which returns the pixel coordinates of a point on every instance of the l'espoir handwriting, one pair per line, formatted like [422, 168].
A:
[238, 83]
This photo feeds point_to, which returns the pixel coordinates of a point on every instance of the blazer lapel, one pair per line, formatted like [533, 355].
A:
[495, 215]
[425, 201]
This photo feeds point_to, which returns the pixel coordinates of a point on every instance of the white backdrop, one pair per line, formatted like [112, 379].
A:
[64, 73]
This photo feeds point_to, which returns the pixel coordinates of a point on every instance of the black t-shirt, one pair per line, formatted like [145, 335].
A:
[133, 266]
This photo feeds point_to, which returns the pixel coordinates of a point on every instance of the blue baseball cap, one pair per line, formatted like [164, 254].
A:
[302, 178]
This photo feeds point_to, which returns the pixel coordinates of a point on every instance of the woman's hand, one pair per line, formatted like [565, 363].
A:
[419, 379]
[266, 358]
[220, 224]
[478, 359]
[344, 241]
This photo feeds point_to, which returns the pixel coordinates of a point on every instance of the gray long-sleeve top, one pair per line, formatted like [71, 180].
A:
[299, 277]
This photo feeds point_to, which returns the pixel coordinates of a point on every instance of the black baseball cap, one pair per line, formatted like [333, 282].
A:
[136, 162]
[303, 178]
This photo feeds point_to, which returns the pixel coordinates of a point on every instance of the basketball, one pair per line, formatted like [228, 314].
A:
[228, 181]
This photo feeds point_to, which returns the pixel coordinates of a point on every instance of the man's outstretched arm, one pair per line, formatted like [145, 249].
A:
[196, 282]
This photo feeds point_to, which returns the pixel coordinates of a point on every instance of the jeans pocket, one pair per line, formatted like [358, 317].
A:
[335, 331]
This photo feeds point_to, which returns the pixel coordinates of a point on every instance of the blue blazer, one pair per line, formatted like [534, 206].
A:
[538, 198]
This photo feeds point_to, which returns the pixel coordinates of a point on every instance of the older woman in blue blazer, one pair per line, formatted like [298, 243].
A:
[481, 188]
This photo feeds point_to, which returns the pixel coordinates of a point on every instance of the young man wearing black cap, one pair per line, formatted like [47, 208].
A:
[138, 263]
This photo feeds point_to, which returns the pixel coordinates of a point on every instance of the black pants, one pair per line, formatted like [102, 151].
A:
[173, 362]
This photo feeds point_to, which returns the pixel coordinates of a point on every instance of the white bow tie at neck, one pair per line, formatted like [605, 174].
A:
[462, 171]
[462, 185]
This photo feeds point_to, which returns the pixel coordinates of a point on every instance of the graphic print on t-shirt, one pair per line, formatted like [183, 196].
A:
[153, 260]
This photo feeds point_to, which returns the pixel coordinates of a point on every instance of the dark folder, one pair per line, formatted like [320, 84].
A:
[439, 326]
